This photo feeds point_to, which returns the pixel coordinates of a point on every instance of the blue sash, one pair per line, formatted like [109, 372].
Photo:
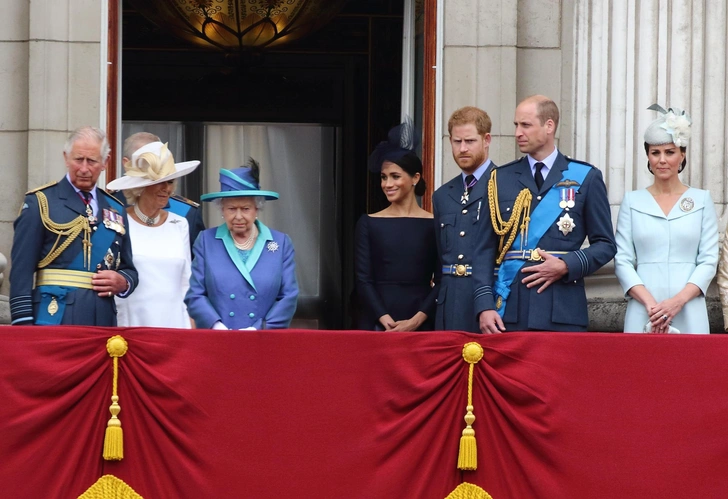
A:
[541, 219]
[101, 240]
[178, 207]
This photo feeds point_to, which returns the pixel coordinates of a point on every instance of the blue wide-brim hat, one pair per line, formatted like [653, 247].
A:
[236, 183]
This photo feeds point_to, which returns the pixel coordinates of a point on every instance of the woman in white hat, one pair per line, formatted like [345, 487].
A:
[160, 240]
[667, 238]
[244, 273]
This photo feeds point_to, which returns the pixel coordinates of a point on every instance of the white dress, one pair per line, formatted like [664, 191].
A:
[162, 259]
[664, 253]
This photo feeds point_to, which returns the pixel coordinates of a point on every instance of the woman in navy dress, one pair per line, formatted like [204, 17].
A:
[395, 255]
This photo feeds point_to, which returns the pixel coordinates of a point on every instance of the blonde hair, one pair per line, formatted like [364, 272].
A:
[132, 195]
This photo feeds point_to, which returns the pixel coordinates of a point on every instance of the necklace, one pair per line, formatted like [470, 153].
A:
[248, 243]
[145, 219]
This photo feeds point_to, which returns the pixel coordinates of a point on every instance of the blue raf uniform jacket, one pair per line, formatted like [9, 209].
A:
[261, 293]
[562, 306]
[32, 242]
[191, 211]
[455, 232]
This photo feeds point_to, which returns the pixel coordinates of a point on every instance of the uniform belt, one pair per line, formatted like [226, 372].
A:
[530, 255]
[62, 277]
[459, 270]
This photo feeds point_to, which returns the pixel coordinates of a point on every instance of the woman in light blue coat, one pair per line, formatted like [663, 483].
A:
[667, 238]
[243, 273]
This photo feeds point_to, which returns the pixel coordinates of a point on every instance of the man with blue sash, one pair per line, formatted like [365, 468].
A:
[178, 205]
[71, 251]
[541, 208]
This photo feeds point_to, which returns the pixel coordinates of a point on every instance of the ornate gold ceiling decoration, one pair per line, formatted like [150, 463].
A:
[235, 25]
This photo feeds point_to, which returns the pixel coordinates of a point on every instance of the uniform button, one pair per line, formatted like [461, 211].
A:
[251, 315]
[442, 225]
[232, 296]
[465, 211]
[508, 209]
[460, 257]
[462, 233]
[232, 314]
[252, 297]
[538, 197]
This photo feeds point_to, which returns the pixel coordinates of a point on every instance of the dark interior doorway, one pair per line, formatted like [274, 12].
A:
[346, 75]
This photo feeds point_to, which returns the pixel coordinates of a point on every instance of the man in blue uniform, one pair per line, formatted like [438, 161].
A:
[71, 251]
[458, 206]
[177, 204]
[544, 206]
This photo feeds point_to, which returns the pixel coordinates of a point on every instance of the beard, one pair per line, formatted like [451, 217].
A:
[470, 161]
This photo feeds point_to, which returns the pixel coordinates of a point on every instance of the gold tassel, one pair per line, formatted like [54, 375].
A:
[468, 455]
[114, 438]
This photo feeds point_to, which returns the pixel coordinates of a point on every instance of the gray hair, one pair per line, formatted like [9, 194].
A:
[88, 132]
[137, 140]
[259, 201]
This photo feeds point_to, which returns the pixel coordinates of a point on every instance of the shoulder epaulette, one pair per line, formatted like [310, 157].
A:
[509, 164]
[111, 196]
[45, 186]
[184, 200]
[578, 161]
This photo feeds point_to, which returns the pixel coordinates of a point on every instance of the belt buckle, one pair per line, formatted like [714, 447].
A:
[461, 270]
[534, 256]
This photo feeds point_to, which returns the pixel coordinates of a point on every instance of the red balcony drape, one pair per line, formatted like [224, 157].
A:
[312, 414]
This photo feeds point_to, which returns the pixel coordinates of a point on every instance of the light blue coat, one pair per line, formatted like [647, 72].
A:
[260, 293]
[664, 253]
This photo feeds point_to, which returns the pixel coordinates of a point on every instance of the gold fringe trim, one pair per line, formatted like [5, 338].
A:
[110, 487]
[114, 438]
[468, 491]
[468, 455]
[69, 230]
[507, 230]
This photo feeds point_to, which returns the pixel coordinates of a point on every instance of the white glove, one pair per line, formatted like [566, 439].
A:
[219, 325]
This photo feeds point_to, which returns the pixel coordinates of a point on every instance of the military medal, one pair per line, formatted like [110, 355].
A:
[570, 197]
[272, 246]
[498, 303]
[465, 197]
[53, 306]
[109, 259]
[566, 224]
[114, 221]
[563, 196]
[687, 204]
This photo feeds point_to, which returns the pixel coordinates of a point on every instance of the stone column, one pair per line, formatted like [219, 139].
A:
[628, 55]
[480, 70]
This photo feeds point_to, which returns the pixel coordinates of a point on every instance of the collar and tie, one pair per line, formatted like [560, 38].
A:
[470, 181]
[86, 197]
[538, 176]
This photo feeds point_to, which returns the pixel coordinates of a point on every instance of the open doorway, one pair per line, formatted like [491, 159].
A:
[344, 80]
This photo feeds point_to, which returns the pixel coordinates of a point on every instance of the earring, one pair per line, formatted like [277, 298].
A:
[650, 169]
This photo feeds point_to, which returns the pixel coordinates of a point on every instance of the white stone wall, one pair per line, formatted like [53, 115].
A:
[50, 75]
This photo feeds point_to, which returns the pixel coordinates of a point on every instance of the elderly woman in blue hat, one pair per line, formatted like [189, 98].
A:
[243, 273]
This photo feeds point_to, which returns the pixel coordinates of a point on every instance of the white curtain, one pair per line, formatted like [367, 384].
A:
[296, 161]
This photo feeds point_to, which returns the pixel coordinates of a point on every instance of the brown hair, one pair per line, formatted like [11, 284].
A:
[470, 114]
[546, 109]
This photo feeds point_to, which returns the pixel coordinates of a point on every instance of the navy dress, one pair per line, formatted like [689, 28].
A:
[395, 259]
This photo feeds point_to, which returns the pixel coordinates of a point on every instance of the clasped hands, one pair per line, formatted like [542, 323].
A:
[661, 314]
